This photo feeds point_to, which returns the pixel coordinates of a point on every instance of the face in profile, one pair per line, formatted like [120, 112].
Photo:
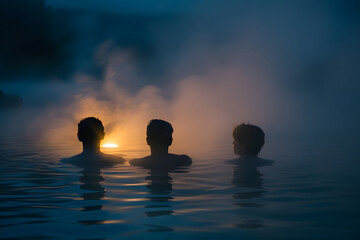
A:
[240, 148]
[248, 140]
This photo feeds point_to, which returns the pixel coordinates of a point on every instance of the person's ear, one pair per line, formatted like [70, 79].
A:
[102, 135]
[236, 147]
[170, 141]
[147, 141]
[79, 137]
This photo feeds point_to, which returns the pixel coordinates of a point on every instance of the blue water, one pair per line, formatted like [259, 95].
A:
[299, 197]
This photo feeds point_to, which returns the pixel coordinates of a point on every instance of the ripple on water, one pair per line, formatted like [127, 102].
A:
[43, 199]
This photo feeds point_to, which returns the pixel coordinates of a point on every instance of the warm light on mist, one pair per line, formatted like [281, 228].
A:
[110, 145]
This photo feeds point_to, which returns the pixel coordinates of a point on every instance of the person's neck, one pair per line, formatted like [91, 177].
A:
[156, 151]
[91, 148]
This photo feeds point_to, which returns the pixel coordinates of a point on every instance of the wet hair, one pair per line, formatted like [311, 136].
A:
[159, 132]
[90, 129]
[250, 135]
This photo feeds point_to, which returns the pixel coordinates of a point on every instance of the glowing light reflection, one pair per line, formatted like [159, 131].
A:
[110, 145]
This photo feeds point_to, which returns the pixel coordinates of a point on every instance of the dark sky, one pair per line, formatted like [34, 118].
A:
[305, 53]
[128, 6]
[55, 39]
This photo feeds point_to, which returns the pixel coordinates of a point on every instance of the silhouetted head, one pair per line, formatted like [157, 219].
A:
[159, 133]
[248, 139]
[90, 131]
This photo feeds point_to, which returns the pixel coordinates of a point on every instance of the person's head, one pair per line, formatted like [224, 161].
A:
[90, 131]
[248, 139]
[159, 133]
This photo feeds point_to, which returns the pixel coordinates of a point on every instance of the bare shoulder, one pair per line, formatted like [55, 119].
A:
[169, 160]
[138, 161]
[265, 162]
[182, 160]
[108, 158]
[102, 159]
[232, 161]
[259, 162]
[71, 160]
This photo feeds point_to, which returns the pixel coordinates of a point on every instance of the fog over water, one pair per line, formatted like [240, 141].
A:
[291, 68]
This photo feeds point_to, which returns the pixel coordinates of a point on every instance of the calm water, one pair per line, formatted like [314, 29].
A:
[299, 197]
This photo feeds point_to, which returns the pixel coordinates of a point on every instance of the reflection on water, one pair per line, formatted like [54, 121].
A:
[160, 187]
[42, 199]
[248, 181]
[91, 180]
[247, 177]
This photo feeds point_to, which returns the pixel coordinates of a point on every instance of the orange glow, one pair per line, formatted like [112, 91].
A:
[110, 145]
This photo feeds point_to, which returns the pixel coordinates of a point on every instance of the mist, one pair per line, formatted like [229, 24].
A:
[290, 68]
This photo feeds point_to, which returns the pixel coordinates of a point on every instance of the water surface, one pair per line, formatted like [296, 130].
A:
[299, 197]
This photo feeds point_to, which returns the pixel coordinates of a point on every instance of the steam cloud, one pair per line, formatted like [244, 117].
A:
[203, 109]
[274, 66]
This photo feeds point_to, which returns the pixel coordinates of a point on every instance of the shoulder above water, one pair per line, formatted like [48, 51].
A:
[101, 159]
[166, 160]
[259, 162]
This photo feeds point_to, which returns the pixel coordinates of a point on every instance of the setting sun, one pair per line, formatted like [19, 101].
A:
[110, 145]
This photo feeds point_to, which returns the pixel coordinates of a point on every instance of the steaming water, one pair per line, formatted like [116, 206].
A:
[299, 197]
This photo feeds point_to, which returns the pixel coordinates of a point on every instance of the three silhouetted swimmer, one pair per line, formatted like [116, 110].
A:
[248, 142]
[90, 133]
[159, 138]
